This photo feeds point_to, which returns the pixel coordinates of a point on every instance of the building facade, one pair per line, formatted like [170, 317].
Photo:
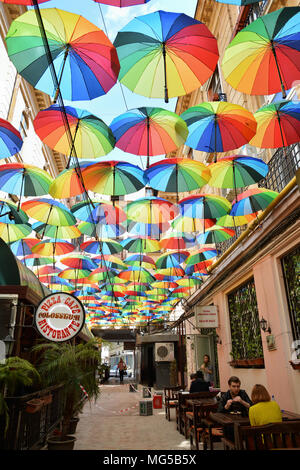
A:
[20, 103]
[255, 281]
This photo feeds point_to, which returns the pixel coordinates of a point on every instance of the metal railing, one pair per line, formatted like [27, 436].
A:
[282, 168]
[29, 430]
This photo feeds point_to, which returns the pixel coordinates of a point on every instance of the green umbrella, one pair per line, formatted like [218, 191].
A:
[12, 232]
[140, 245]
[53, 231]
[215, 234]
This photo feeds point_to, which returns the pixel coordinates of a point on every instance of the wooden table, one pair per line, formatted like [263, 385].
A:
[200, 401]
[227, 420]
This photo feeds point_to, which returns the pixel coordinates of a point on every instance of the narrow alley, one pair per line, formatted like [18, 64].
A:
[114, 423]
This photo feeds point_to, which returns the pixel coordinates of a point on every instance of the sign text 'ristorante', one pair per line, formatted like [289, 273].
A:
[59, 317]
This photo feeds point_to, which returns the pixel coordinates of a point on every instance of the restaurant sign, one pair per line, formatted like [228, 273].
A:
[59, 317]
[206, 316]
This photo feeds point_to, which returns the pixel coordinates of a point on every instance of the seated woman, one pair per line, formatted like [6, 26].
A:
[263, 411]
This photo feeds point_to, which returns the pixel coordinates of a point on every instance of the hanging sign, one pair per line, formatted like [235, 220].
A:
[206, 316]
[59, 317]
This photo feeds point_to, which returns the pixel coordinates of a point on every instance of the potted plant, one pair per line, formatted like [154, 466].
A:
[75, 366]
[14, 373]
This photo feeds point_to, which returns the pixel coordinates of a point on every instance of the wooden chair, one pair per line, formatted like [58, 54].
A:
[184, 412]
[203, 429]
[170, 400]
[285, 435]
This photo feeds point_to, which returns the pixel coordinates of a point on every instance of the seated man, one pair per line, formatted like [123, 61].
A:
[235, 399]
[199, 385]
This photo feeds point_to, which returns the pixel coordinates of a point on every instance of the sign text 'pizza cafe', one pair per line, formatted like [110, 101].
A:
[59, 317]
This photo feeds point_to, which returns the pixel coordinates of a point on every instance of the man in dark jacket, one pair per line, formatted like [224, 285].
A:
[199, 385]
[235, 399]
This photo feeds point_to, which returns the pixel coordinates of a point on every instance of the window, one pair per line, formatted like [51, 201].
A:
[24, 124]
[244, 322]
[291, 272]
[214, 87]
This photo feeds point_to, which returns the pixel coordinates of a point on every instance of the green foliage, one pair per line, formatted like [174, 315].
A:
[244, 323]
[73, 366]
[14, 372]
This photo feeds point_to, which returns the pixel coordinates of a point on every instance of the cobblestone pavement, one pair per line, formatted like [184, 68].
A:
[113, 423]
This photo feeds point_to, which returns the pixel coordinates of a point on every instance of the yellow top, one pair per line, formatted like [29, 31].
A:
[265, 412]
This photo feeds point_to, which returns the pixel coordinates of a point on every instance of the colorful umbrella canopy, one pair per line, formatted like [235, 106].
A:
[74, 274]
[146, 230]
[140, 260]
[151, 210]
[13, 232]
[101, 213]
[215, 234]
[84, 59]
[53, 247]
[36, 260]
[78, 261]
[218, 126]
[140, 245]
[113, 178]
[24, 180]
[110, 261]
[189, 281]
[177, 175]
[172, 242]
[11, 214]
[200, 256]
[235, 221]
[149, 131]
[101, 230]
[91, 137]
[165, 54]
[69, 182]
[204, 206]
[171, 271]
[54, 231]
[237, 171]
[121, 3]
[47, 270]
[252, 200]
[264, 58]
[171, 260]
[22, 2]
[104, 246]
[101, 274]
[23, 246]
[10, 139]
[136, 274]
[278, 124]
[49, 211]
[191, 225]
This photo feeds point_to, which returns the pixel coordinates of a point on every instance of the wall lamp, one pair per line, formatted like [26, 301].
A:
[264, 325]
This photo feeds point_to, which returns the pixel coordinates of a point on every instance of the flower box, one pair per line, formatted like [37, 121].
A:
[34, 405]
[47, 399]
[247, 363]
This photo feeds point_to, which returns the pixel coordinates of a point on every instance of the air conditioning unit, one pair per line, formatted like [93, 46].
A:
[164, 352]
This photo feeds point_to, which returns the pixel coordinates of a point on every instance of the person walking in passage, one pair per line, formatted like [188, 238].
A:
[122, 367]
[264, 410]
[207, 369]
